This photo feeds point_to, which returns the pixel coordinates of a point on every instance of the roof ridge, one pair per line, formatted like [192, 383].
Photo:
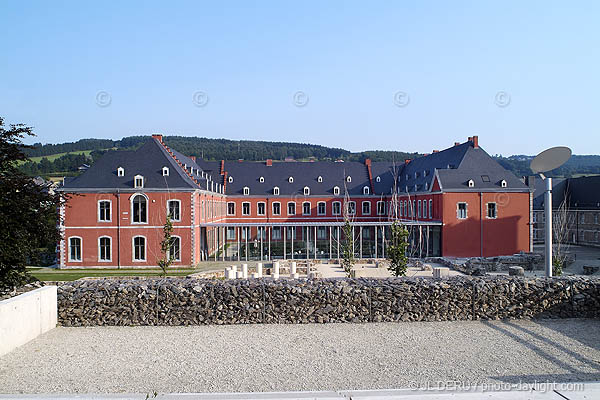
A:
[172, 159]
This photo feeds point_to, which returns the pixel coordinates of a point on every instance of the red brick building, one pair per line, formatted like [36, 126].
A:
[456, 202]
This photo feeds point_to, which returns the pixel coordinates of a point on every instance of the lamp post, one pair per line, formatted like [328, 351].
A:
[548, 226]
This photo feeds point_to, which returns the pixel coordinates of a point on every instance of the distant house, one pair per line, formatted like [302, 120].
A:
[457, 202]
[83, 167]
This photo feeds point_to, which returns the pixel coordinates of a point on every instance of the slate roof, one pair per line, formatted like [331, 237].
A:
[581, 193]
[247, 174]
[147, 161]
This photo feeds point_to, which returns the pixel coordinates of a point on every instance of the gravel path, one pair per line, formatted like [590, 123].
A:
[301, 357]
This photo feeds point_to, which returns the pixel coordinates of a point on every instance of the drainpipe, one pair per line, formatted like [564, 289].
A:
[481, 224]
[118, 229]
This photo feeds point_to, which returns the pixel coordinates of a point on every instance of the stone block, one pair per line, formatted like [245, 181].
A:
[516, 271]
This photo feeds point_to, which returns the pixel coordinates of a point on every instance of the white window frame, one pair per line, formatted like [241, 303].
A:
[109, 210]
[165, 171]
[471, 183]
[336, 191]
[249, 208]
[120, 171]
[276, 191]
[383, 211]
[333, 205]
[288, 207]
[487, 210]
[100, 251]
[362, 207]
[366, 190]
[348, 179]
[147, 208]
[503, 183]
[179, 207]
[291, 179]
[273, 208]
[325, 208]
[133, 259]
[179, 238]
[228, 203]
[353, 208]
[230, 179]
[246, 191]
[264, 208]
[310, 208]
[378, 179]
[135, 182]
[80, 248]
[458, 210]
[306, 191]
[261, 179]
[320, 179]
[419, 209]
[430, 208]
[424, 209]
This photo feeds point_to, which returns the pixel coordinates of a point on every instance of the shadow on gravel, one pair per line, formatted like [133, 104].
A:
[549, 378]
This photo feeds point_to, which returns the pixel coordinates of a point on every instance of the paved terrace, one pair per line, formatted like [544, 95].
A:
[267, 358]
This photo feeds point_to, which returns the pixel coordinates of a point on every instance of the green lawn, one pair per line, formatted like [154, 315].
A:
[53, 274]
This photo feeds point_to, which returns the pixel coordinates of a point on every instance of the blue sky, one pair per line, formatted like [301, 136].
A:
[114, 69]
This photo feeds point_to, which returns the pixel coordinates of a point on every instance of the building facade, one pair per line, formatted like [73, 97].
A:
[457, 202]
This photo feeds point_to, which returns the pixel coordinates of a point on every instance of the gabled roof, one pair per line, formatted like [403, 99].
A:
[581, 193]
[247, 174]
[147, 161]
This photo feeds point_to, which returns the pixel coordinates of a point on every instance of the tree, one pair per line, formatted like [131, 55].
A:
[347, 248]
[166, 245]
[560, 228]
[28, 211]
[396, 251]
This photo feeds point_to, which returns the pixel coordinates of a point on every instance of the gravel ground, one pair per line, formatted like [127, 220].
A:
[248, 358]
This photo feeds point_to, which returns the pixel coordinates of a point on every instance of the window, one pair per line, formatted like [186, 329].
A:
[485, 178]
[174, 210]
[378, 179]
[348, 179]
[120, 171]
[492, 211]
[230, 233]
[461, 210]
[104, 210]
[140, 210]
[291, 179]
[245, 232]
[306, 208]
[291, 209]
[261, 233]
[138, 181]
[419, 209]
[320, 179]
[351, 207]
[260, 208]
[336, 208]
[471, 183]
[430, 209]
[366, 233]
[230, 208]
[230, 179]
[424, 209]
[104, 253]
[401, 208]
[165, 171]
[595, 218]
[503, 183]
[245, 208]
[416, 174]
[321, 208]
[366, 208]
[276, 233]
[583, 218]
[291, 232]
[276, 191]
[139, 248]
[246, 190]
[321, 233]
[75, 249]
[381, 208]
[276, 208]
[534, 217]
[336, 191]
[306, 190]
[175, 250]
[366, 190]
[413, 211]
[261, 179]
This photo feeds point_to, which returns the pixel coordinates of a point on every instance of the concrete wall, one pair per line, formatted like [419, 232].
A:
[25, 317]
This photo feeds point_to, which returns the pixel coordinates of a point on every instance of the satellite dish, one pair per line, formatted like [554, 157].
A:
[550, 159]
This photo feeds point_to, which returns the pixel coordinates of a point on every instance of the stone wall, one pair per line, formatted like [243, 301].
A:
[481, 265]
[175, 301]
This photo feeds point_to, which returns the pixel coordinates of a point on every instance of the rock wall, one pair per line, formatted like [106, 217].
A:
[479, 266]
[175, 301]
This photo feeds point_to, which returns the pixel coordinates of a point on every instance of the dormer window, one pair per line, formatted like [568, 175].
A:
[426, 186]
[348, 179]
[378, 179]
[191, 170]
[336, 191]
[503, 183]
[306, 190]
[366, 190]
[165, 171]
[246, 191]
[416, 188]
[416, 175]
[138, 182]
[291, 179]
[261, 179]
[407, 177]
[320, 179]
[230, 179]
[120, 171]
[276, 191]
[471, 183]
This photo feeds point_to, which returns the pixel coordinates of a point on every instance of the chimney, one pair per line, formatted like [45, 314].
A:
[436, 151]
[269, 162]
[158, 137]
[406, 161]
[368, 162]
[470, 139]
[476, 142]
[193, 158]
[456, 143]
[222, 167]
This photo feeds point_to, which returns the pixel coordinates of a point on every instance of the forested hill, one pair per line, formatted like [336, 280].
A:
[65, 158]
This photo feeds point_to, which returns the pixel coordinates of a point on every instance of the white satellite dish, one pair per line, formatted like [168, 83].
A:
[550, 159]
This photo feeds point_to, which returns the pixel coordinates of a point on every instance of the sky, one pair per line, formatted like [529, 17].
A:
[370, 75]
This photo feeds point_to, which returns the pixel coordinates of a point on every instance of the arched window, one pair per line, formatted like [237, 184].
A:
[320, 179]
[348, 179]
[230, 179]
[336, 191]
[276, 191]
[139, 209]
[246, 191]
[378, 179]
[138, 181]
[471, 183]
[291, 179]
[120, 171]
[366, 190]
[503, 183]
[261, 179]
[306, 190]
[75, 248]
